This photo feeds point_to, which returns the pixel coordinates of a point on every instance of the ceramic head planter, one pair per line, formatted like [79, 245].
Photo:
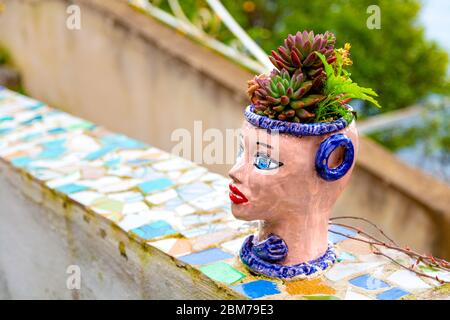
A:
[298, 146]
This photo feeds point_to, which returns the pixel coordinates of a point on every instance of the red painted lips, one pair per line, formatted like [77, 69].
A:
[237, 196]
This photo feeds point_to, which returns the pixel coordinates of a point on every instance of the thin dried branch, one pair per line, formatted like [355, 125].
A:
[374, 242]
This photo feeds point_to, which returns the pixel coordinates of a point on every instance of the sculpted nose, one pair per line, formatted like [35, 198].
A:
[236, 173]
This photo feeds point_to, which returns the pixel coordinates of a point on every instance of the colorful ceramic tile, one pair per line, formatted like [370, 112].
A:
[335, 238]
[352, 295]
[205, 256]
[309, 287]
[136, 220]
[21, 161]
[392, 294]
[209, 228]
[184, 209]
[191, 191]
[407, 280]
[369, 282]
[134, 207]
[86, 197]
[342, 270]
[345, 256]
[155, 185]
[161, 197]
[210, 239]
[180, 248]
[108, 205]
[71, 188]
[222, 272]
[321, 297]
[234, 245]
[257, 289]
[154, 229]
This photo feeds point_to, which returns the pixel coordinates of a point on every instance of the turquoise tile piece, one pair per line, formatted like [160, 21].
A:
[345, 256]
[222, 272]
[99, 153]
[123, 142]
[32, 120]
[205, 256]
[6, 118]
[257, 289]
[21, 161]
[36, 106]
[159, 228]
[368, 282]
[71, 188]
[335, 238]
[57, 130]
[392, 294]
[155, 185]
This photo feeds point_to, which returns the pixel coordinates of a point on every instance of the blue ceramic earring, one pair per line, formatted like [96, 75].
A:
[326, 148]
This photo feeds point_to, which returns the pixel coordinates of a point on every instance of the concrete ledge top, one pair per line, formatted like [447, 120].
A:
[179, 207]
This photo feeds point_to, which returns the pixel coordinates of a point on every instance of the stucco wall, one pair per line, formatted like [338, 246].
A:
[128, 72]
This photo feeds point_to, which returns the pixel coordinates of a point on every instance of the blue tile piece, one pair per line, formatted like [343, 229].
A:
[5, 130]
[32, 120]
[368, 282]
[21, 161]
[99, 153]
[71, 188]
[257, 289]
[57, 130]
[154, 185]
[392, 294]
[37, 106]
[205, 256]
[155, 229]
[123, 142]
[112, 163]
[335, 238]
[53, 153]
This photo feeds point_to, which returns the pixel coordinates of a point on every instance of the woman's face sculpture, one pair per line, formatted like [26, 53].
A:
[275, 177]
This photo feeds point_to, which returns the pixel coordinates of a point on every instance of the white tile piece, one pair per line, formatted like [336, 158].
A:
[234, 245]
[164, 245]
[162, 197]
[132, 221]
[173, 165]
[351, 295]
[86, 197]
[342, 270]
[407, 280]
[134, 207]
[184, 210]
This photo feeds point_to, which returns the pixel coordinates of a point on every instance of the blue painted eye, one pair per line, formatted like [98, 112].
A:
[264, 162]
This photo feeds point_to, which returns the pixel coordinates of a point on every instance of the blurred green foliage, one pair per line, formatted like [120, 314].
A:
[4, 56]
[428, 135]
[397, 61]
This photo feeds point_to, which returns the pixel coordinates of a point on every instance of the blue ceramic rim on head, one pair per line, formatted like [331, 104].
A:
[274, 270]
[293, 128]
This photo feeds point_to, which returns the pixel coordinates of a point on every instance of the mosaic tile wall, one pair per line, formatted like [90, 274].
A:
[177, 206]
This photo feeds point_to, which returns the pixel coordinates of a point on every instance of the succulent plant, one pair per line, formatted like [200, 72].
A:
[283, 96]
[309, 83]
[299, 52]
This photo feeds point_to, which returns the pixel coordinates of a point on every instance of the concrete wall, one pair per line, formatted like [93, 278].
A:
[128, 72]
[42, 234]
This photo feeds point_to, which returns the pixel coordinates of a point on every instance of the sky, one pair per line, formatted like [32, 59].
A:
[435, 16]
